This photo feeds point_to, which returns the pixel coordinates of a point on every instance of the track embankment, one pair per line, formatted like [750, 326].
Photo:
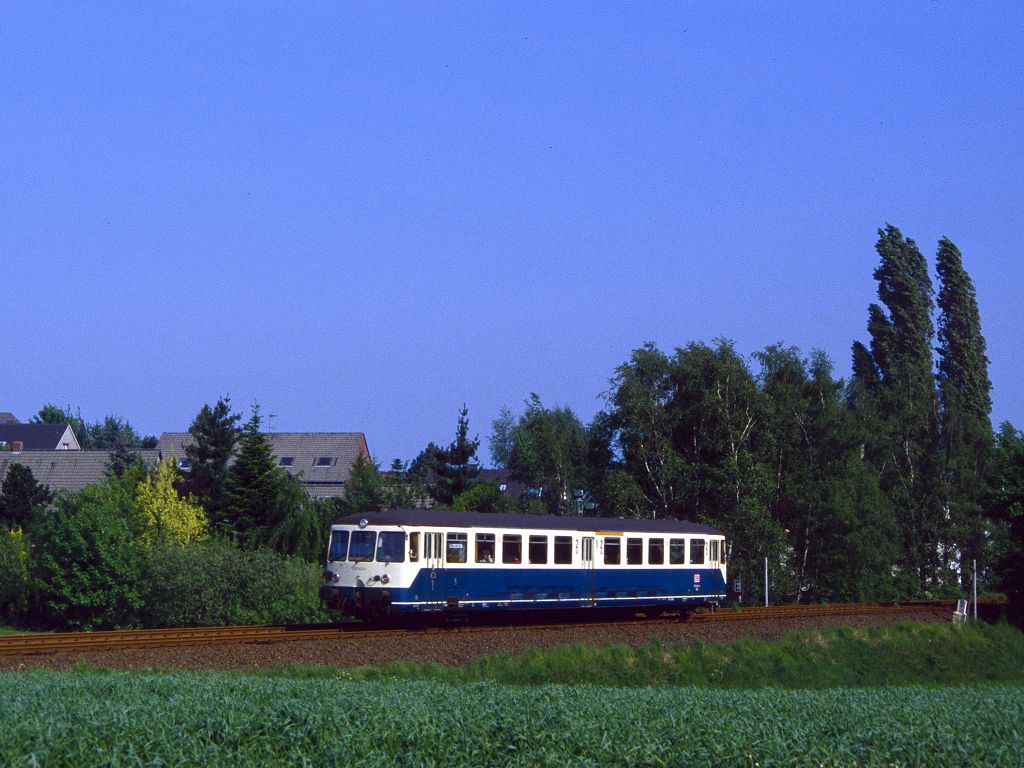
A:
[347, 645]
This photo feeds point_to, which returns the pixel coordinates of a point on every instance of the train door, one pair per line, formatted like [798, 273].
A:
[716, 584]
[587, 573]
[433, 562]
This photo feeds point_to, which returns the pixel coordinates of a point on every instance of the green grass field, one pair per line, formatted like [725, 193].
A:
[126, 719]
[948, 696]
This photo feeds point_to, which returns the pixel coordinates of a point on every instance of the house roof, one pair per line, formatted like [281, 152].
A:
[6, 417]
[505, 482]
[320, 459]
[33, 437]
[66, 470]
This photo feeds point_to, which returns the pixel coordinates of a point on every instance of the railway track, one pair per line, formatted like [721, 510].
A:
[77, 642]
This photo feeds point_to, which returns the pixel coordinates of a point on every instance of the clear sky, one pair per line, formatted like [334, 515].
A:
[364, 216]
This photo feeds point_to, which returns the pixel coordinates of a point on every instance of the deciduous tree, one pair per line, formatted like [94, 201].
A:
[1007, 503]
[549, 452]
[168, 517]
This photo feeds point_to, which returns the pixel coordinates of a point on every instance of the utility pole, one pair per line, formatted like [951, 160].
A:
[975, 588]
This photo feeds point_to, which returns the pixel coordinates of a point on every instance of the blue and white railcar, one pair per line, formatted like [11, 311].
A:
[403, 561]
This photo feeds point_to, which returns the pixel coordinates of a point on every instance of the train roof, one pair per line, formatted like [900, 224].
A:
[447, 518]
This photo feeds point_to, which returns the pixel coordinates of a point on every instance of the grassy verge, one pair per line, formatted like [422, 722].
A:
[9, 630]
[909, 654]
[121, 719]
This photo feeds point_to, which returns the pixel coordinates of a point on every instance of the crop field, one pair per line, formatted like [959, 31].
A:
[129, 719]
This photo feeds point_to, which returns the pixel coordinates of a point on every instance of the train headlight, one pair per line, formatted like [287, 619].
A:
[385, 579]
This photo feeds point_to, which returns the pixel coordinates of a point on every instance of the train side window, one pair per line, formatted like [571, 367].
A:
[339, 546]
[362, 545]
[656, 551]
[676, 551]
[391, 547]
[634, 551]
[563, 550]
[538, 550]
[511, 548]
[696, 551]
[722, 553]
[612, 550]
[455, 547]
[414, 547]
[713, 550]
[485, 547]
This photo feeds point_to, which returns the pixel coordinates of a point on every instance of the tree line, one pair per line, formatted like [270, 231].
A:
[888, 485]
[229, 542]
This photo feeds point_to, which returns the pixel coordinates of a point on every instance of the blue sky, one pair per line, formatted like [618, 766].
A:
[363, 217]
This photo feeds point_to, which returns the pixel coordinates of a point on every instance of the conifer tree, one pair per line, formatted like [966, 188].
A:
[455, 466]
[215, 432]
[250, 488]
[21, 496]
[966, 404]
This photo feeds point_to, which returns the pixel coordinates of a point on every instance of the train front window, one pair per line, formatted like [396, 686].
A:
[455, 547]
[539, 550]
[722, 553]
[512, 548]
[391, 547]
[361, 548]
[676, 551]
[339, 546]
[485, 547]
[563, 550]
[656, 551]
[634, 551]
[696, 551]
[612, 550]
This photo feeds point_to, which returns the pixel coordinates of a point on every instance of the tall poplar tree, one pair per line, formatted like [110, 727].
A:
[897, 392]
[965, 405]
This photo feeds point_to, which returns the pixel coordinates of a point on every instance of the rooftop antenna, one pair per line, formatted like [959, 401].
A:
[270, 421]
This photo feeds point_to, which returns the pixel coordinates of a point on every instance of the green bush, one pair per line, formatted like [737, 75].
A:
[88, 565]
[14, 577]
[212, 583]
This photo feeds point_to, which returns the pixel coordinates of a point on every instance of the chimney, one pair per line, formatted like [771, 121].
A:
[17, 446]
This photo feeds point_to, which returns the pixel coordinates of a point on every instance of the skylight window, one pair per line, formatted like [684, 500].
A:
[286, 461]
[323, 461]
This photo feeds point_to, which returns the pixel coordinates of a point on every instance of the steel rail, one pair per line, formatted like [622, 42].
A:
[64, 642]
